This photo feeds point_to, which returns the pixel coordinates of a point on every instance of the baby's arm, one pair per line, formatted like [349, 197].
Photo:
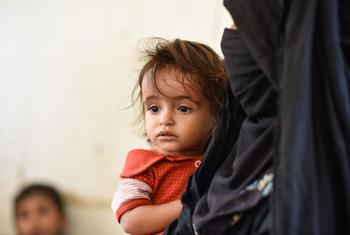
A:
[150, 219]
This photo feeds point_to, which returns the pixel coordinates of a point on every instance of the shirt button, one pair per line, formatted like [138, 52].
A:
[197, 163]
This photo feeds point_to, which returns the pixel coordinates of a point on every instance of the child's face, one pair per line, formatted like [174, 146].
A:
[38, 215]
[179, 122]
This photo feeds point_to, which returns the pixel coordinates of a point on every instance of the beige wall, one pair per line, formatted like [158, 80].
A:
[66, 72]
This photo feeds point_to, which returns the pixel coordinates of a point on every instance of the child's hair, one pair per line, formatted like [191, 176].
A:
[196, 63]
[40, 189]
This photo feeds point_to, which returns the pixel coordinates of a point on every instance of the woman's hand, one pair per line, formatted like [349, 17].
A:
[233, 26]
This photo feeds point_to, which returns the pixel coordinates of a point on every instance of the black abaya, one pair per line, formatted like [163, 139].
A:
[286, 115]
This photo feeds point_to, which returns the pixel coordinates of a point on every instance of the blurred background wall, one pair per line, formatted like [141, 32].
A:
[66, 72]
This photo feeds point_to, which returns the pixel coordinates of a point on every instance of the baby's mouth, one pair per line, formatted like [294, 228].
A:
[166, 134]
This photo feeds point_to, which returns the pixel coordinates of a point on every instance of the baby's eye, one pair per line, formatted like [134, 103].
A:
[184, 109]
[153, 109]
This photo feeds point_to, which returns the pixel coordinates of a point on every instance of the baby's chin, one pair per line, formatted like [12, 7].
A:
[175, 149]
[178, 152]
[166, 152]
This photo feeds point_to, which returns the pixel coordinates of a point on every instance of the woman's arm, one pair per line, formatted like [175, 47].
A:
[150, 219]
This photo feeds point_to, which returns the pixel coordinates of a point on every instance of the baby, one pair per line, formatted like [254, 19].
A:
[180, 89]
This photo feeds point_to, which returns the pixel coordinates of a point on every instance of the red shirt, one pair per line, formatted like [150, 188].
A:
[167, 176]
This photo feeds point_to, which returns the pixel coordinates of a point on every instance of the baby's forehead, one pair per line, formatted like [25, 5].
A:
[171, 73]
[34, 197]
[174, 90]
[168, 81]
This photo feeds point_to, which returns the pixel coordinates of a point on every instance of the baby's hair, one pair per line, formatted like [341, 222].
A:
[43, 190]
[196, 63]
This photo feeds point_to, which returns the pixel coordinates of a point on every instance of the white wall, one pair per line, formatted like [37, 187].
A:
[66, 72]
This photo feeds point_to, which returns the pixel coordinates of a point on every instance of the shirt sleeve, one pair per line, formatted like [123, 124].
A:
[130, 192]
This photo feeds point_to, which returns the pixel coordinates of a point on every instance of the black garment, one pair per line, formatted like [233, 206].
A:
[313, 164]
[251, 155]
[240, 153]
[307, 46]
[302, 50]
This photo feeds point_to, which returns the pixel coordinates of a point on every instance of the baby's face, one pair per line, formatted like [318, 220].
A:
[177, 120]
[38, 215]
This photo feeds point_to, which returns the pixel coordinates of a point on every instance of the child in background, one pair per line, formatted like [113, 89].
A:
[180, 89]
[39, 210]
